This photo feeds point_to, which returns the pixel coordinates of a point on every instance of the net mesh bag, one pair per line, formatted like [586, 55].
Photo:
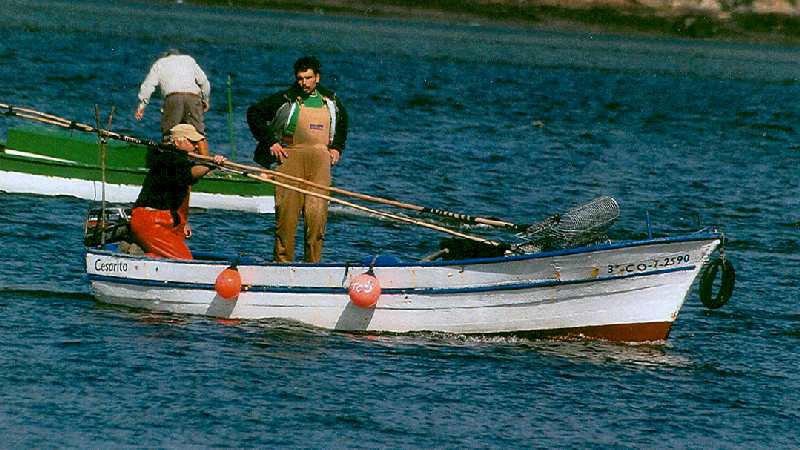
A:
[581, 225]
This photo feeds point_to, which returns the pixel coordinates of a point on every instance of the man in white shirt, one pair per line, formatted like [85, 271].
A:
[184, 87]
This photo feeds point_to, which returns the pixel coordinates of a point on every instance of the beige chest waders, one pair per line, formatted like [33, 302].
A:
[309, 159]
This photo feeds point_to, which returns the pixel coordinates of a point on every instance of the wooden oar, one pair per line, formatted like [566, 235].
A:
[249, 171]
[15, 110]
[387, 201]
[585, 218]
[252, 172]
[32, 114]
[466, 218]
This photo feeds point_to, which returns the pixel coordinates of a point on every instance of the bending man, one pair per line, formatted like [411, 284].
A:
[303, 129]
[184, 87]
[159, 221]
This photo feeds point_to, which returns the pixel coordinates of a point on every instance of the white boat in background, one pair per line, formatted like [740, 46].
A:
[628, 291]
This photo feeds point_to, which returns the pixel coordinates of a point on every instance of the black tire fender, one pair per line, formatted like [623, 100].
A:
[727, 282]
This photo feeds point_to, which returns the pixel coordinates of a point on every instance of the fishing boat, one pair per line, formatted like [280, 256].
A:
[626, 291]
[563, 278]
[45, 161]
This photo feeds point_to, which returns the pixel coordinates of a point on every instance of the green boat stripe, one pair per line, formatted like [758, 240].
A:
[59, 153]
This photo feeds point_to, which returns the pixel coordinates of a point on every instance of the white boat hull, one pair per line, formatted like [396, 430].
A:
[628, 292]
[17, 182]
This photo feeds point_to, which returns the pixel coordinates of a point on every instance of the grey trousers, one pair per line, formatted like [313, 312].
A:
[181, 107]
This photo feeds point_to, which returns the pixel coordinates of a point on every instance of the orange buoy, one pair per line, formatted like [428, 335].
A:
[364, 290]
[229, 283]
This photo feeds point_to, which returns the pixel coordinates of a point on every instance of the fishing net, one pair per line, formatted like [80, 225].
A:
[581, 225]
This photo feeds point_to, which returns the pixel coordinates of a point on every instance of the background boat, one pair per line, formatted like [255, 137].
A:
[50, 161]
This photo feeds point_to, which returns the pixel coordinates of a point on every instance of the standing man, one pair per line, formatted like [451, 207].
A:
[303, 129]
[159, 221]
[184, 87]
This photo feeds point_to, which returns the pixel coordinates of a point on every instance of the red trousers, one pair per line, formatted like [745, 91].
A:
[155, 231]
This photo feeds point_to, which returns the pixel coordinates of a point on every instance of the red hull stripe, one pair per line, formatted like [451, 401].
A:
[627, 332]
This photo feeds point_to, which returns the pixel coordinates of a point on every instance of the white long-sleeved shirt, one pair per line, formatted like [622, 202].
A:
[175, 73]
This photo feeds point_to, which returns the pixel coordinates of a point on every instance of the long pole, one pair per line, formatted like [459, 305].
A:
[386, 201]
[249, 171]
[55, 120]
[101, 142]
[230, 117]
[252, 172]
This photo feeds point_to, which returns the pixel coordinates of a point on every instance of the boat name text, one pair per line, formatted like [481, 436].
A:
[103, 266]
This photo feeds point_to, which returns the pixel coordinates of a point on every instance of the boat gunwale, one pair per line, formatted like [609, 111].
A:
[220, 259]
[142, 171]
[468, 289]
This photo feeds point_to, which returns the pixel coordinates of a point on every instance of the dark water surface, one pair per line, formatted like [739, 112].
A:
[509, 122]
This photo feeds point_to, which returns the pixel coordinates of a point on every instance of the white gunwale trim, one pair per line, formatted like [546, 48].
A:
[11, 152]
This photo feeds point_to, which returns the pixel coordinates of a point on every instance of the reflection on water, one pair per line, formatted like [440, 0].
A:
[577, 350]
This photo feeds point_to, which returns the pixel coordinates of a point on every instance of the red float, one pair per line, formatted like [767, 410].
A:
[364, 290]
[229, 283]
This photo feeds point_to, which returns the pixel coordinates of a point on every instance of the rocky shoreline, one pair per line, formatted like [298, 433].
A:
[749, 20]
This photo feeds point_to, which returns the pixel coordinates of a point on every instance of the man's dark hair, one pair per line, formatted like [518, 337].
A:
[305, 63]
